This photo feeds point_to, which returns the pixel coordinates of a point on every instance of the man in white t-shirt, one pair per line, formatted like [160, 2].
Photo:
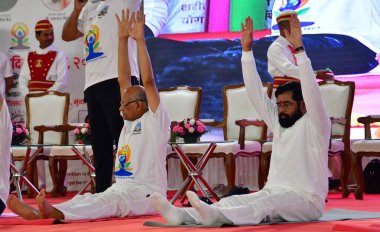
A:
[297, 182]
[140, 166]
[95, 21]
[5, 152]
[6, 75]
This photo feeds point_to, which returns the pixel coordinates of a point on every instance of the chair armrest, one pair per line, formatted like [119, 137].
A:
[41, 129]
[367, 121]
[341, 121]
[243, 123]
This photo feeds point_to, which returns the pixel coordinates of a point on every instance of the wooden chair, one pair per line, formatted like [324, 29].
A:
[338, 97]
[47, 108]
[246, 141]
[367, 147]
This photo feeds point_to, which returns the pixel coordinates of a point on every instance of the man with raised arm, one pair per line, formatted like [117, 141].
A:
[5, 151]
[140, 166]
[297, 183]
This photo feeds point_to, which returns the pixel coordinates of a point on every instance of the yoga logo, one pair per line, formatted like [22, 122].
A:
[124, 158]
[91, 43]
[297, 5]
[20, 37]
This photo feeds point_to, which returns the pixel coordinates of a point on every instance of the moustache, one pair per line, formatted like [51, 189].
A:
[283, 115]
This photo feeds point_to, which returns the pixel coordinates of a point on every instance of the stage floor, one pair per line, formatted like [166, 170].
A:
[370, 203]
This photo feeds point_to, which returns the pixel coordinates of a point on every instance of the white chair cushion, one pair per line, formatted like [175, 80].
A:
[66, 150]
[250, 148]
[365, 146]
[179, 104]
[228, 147]
[240, 107]
[19, 152]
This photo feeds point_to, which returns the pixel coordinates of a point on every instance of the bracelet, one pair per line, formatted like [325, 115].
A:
[301, 48]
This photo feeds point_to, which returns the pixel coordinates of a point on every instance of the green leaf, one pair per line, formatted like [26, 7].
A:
[303, 11]
[96, 45]
[127, 164]
[25, 40]
[14, 40]
[86, 49]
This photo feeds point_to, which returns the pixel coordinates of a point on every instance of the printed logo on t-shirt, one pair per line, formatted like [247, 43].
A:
[124, 158]
[91, 43]
[137, 129]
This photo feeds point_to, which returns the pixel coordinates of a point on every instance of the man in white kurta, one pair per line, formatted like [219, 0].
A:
[297, 182]
[6, 75]
[5, 152]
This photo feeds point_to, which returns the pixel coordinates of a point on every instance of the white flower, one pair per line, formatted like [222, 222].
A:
[83, 130]
[191, 129]
[192, 121]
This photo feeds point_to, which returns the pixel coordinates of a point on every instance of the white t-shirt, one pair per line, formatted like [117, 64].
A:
[98, 24]
[5, 71]
[300, 152]
[5, 150]
[281, 60]
[141, 155]
[58, 72]
[156, 12]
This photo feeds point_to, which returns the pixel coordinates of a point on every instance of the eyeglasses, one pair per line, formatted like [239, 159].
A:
[127, 103]
[285, 105]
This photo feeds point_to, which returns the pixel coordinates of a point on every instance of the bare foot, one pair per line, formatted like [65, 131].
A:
[20, 208]
[46, 209]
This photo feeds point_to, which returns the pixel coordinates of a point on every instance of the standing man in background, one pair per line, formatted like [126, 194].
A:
[97, 24]
[282, 62]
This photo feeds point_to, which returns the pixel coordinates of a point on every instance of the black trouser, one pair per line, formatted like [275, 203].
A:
[2, 206]
[103, 102]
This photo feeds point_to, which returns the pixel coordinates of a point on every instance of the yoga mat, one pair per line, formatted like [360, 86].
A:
[240, 9]
[219, 15]
[330, 215]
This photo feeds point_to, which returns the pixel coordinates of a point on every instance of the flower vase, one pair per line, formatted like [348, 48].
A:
[191, 139]
[80, 141]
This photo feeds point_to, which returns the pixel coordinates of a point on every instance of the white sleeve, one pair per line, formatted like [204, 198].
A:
[7, 68]
[255, 91]
[5, 145]
[312, 95]
[162, 119]
[24, 78]
[278, 59]
[81, 19]
[62, 73]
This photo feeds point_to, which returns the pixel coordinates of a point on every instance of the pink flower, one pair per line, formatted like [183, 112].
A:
[86, 125]
[187, 126]
[18, 130]
[76, 131]
[26, 131]
[180, 130]
[191, 129]
[200, 129]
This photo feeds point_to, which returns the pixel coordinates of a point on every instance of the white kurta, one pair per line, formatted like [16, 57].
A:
[5, 150]
[297, 182]
[5, 72]
[58, 72]
[140, 169]
[281, 60]
[98, 24]
[156, 12]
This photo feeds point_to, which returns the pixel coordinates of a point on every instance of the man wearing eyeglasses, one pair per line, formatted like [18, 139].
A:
[297, 183]
[5, 150]
[140, 165]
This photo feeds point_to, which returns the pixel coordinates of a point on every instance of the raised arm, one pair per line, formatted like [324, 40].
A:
[310, 88]
[144, 61]
[70, 30]
[252, 81]
[123, 66]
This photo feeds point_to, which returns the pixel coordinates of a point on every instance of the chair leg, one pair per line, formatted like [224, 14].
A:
[265, 163]
[61, 177]
[230, 167]
[346, 168]
[358, 172]
[31, 173]
[53, 168]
